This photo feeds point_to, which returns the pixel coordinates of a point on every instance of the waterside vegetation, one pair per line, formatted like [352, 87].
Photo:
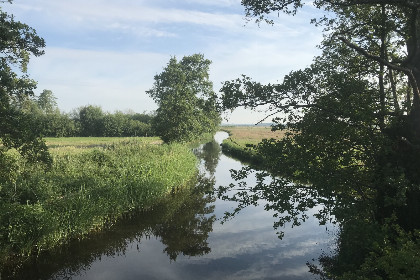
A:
[85, 189]
[182, 221]
[243, 140]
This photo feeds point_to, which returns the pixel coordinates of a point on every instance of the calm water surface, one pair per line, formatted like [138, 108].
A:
[183, 238]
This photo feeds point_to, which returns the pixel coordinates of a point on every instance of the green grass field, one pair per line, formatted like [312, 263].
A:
[82, 143]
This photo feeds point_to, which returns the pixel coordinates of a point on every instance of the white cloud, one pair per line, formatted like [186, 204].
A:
[97, 11]
[221, 3]
[111, 79]
[139, 31]
[107, 52]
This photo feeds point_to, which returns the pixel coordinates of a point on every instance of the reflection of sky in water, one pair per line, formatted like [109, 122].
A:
[245, 247]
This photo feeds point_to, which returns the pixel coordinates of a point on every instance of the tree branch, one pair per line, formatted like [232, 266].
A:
[374, 57]
[378, 59]
[402, 3]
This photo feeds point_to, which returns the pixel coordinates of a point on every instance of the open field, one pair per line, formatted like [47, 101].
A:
[92, 142]
[75, 145]
[242, 138]
[251, 134]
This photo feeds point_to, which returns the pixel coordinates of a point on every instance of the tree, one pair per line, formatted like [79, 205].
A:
[385, 32]
[91, 121]
[47, 101]
[46, 118]
[187, 103]
[353, 133]
[114, 125]
[18, 42]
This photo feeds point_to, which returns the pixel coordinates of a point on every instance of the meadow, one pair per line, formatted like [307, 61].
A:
[68, 144]
[244, 135]
[90, 185]
[242, 140]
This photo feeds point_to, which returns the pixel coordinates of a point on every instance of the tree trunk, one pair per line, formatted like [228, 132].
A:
[413, 63]
[394, 90]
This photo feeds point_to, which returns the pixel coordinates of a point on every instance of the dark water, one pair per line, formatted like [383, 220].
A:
[183, 238]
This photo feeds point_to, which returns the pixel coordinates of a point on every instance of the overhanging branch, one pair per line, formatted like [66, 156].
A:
[401, 3]
[378, 59]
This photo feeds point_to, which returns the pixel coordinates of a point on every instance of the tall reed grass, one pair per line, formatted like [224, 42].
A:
[84, 191]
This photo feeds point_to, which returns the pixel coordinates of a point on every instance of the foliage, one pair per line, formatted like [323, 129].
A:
[245, 153]
[186, 100]
[383, 251]
[181, 220]
[84, 191]
[123, 125]
[48, 121]
[90, 119]
[352, 138]
[378, 31]
[47, 101]
[18, 42]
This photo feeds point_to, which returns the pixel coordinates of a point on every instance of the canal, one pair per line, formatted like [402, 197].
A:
[186, 236]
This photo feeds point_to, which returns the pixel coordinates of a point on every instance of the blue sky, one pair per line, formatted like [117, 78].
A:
[106, 53]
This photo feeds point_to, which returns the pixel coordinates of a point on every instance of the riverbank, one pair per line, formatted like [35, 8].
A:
[88, 188]
[243, 139]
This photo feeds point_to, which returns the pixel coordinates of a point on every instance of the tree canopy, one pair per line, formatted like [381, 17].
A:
[18, 42]
[353, 133]
[385, 33]
[187, 103]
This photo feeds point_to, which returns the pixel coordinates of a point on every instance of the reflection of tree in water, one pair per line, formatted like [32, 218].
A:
[187, 231]
[182, 220]
[365, 246]
[290, 201]
[210, 154]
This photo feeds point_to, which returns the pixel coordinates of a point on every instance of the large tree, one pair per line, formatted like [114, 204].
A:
[385, 32]
[187, 103]
[353, 141]
[91, 121]
[18, 42]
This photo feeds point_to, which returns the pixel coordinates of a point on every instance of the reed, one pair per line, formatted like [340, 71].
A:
[86, 190]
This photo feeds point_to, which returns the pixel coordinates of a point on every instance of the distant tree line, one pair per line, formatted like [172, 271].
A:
[84, 121]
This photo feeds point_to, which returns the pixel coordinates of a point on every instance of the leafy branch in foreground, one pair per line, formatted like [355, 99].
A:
[352, 141]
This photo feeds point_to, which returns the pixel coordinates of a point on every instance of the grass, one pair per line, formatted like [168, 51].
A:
[93, 182]
[82, 143]
[251, 135]
[242, 139]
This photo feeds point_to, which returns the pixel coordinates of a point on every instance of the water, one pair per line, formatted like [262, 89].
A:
[183, 238]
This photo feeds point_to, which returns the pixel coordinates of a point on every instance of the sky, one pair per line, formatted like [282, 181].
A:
[106, 53]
